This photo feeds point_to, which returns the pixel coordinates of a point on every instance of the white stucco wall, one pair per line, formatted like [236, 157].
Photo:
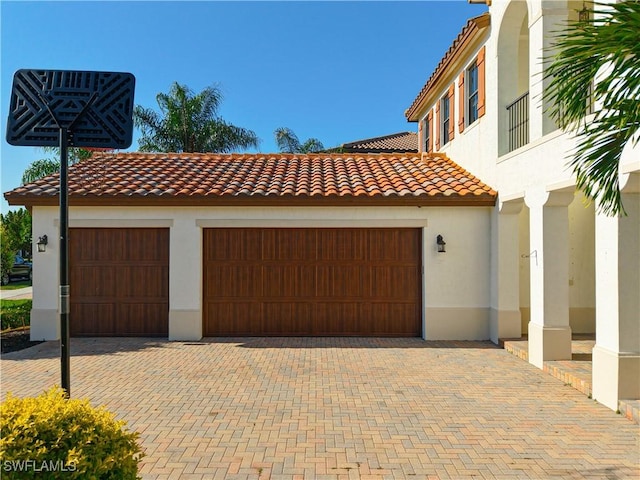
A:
[456, 291]
[560, 293]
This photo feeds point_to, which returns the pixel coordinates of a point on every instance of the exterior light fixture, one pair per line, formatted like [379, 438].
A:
[583, 15]
[42, 243]
[441, 244]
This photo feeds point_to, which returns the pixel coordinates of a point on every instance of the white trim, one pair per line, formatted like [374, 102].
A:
[117, 223]
[269, 223]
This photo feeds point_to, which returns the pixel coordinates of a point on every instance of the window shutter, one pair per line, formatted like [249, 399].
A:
[461, 102]
[452, 128]
[481, 55]
[430, 132]
[421, 134]
[438, 126]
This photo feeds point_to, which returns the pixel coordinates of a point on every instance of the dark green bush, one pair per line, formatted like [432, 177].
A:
[52, 437]
[15, 313]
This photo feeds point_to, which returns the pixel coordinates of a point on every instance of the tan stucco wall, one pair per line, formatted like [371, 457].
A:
[455, 283]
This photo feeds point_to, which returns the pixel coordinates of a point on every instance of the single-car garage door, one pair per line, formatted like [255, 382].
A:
[119, 281]
[312, 281]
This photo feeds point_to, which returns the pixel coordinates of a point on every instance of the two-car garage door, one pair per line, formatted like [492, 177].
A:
[256, 282]
[312, 282]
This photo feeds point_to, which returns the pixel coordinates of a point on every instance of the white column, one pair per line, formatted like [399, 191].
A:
[616, 355]
[505, 277]
[549, 330]
[45, 316]
[185, 280]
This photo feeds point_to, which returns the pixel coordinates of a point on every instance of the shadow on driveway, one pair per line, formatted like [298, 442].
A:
[89, 346]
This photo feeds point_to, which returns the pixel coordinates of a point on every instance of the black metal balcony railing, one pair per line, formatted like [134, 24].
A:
[518, 112]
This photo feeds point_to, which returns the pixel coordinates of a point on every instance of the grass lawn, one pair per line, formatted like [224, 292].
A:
[15, 313]
[16, 285]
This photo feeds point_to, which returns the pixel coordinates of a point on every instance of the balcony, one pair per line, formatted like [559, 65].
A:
[518, 126]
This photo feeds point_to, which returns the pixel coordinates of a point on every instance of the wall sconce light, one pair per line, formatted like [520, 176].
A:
[441, 244]
[583, 15]
[42, 243]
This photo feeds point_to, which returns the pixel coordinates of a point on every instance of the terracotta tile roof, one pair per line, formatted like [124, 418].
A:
[261, 179]
[396, 142]
[473, 27]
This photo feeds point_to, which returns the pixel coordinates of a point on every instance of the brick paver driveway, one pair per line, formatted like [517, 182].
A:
[338, 408]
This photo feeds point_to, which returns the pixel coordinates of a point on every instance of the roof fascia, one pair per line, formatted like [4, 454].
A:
[469, 200]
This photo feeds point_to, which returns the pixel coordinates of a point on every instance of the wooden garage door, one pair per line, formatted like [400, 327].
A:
[119, 281]
[357, 282]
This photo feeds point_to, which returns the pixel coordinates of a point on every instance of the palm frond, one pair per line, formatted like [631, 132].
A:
[606, 48]
[287, 140]
[40, 169]
[312, 145]
[189, 122]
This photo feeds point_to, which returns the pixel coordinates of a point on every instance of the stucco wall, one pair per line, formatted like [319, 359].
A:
[456, 286]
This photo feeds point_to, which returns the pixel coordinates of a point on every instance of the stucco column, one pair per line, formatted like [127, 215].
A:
[505, 278]
[45, 323]
[185, 280]
[549, 330]
[616, 355]
[544, 23]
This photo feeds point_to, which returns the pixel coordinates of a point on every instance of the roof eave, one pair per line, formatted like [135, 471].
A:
[469, 200]
[471, 33]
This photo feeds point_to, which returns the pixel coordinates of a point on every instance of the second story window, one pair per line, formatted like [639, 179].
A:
[445, 119]
[472, 93]
[426, 134]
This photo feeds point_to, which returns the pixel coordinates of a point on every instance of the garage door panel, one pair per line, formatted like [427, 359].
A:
[119, 281]
[288, 281]
[346, 244]
[233, 245]
[324, 281]
[395, 282]
[91, 281]
[142, 282]
[339, 319]
[390, 319]
[97, 319]
[137, 319]
[140, 247]
[233, 280]
[294, 318]
[289, 244]
[238, 318]
[397, 245]
[343, 281]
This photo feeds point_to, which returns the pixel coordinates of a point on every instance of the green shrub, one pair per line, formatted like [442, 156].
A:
[53, 437]
[15, 313]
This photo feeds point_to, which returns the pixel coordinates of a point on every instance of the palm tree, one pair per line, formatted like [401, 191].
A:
[608, 42]
[189, 122]
[288, 142]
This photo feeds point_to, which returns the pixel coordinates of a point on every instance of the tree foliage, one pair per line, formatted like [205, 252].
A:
[48, 166]
[288, 142]
[6, 252]
[607, 46]
[189, 122]
[16, 231]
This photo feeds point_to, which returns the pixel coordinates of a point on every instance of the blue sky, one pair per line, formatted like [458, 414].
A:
[337, 71]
